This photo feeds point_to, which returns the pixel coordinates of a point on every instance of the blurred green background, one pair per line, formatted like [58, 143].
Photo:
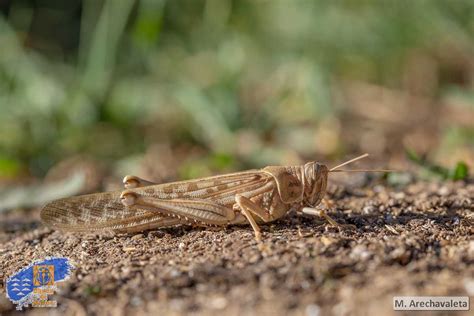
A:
[177, 89]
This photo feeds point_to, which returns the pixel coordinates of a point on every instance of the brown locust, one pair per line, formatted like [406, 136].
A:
[249, 197]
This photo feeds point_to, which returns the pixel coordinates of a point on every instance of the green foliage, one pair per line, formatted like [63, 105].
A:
[458, 172]
[123, 75]
[9, 167]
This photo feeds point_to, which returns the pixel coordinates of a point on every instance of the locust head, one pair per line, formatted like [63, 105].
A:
[316, 178]
[315, 182]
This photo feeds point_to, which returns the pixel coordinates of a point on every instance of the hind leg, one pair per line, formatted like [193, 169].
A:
[132, 182]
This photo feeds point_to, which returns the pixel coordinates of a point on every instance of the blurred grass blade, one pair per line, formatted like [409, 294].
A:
[103, 45]
[210, 122]
[460, 172]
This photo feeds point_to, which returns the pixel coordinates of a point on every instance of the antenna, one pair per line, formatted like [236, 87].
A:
[333, 169]
[348, 162]
[366, 170]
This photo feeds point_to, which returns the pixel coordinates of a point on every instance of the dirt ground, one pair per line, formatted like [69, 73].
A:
[417, 240]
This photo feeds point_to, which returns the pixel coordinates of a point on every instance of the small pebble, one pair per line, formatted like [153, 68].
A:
[218, 302]
[469, 286]
[137, 237]
[327, 240]
[313, 310]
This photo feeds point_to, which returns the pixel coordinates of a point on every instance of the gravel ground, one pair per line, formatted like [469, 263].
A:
[412, 241]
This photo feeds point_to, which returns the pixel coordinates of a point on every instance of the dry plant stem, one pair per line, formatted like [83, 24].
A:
[249, 197]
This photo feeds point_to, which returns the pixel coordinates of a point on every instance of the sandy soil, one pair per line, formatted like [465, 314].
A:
[413, 241]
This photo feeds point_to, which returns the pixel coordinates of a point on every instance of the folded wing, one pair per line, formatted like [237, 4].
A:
[99, 212]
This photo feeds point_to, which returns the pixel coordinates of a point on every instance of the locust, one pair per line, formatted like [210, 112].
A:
[252, 197]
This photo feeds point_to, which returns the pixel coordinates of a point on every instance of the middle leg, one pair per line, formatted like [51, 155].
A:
[250, 209]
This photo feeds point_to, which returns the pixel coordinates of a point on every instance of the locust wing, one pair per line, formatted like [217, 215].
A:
[220, 189]
[100, 212]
